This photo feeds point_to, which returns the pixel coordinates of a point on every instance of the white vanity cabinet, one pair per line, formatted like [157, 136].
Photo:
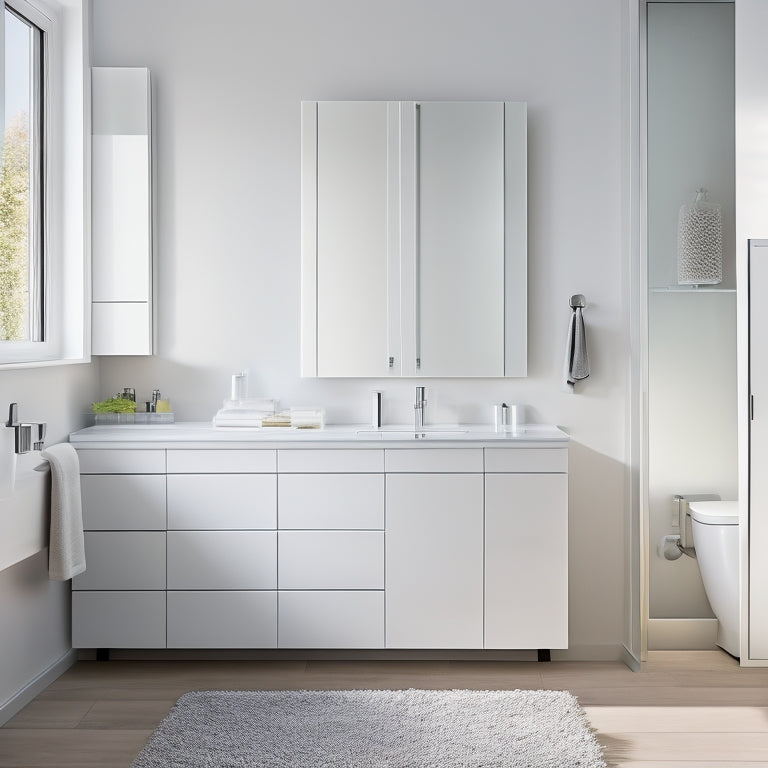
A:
[343, 545]
[331, 548]
[119, 601]
[526, 548]
[222, 548]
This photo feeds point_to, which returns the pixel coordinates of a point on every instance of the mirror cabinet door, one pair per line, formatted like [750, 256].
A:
[413, 239]
[460, 246]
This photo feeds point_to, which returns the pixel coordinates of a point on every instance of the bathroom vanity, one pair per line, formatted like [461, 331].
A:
[337, 538]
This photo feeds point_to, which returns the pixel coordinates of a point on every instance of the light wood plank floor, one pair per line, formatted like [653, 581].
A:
[683, 710]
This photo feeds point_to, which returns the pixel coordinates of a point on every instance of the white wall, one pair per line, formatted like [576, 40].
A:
[34, 612]
[228, 79]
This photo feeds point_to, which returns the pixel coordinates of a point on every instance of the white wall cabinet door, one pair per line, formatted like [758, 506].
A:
[121, 217]
[526, 561]
[434, 561]
[460, 197]
[346, 166]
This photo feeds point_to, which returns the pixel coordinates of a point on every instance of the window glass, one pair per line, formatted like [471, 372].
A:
[21, 193]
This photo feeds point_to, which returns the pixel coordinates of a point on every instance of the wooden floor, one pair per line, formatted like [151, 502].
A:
[683, 710]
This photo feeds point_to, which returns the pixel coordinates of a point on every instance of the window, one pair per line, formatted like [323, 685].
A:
[22, 259]
[44, 182]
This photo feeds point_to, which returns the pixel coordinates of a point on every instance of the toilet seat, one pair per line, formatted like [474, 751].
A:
[715, 512]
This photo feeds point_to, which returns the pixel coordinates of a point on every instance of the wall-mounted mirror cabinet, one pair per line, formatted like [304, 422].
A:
[414, 239]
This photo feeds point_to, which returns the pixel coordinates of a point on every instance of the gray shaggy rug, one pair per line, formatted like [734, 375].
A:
[373, 729]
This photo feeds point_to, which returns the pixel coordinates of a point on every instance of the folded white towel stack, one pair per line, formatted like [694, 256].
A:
[66, 549]
[248, 412]
[307, 418]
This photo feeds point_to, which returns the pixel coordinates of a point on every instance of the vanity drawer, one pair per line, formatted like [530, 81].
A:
[219, 502]
[330, 560]
[110, 461]
[222, 560]
[123, 502]
[331, 501]
[223, 460]
[222, 619]
[526, 460]
[434, 460]
[118, 619]
[330, 620]
[330, 460]
[123, 560]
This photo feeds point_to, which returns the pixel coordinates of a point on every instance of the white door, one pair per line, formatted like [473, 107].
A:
[434, 561]
[526, 561]
[758, 447]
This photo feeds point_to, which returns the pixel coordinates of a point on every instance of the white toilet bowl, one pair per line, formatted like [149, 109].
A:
[716, 539]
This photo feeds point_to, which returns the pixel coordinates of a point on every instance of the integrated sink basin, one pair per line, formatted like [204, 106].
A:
[404, 433]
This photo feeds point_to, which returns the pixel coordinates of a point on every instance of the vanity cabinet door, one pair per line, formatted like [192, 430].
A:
[434, 561]
[222, 619]
[222, 502]
[526, 560]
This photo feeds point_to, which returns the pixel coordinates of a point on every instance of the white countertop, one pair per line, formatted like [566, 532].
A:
[204, 435]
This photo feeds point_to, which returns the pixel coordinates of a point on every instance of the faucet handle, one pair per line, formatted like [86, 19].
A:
[42, 428]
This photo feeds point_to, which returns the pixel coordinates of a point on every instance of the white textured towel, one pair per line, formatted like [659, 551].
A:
[66, 549]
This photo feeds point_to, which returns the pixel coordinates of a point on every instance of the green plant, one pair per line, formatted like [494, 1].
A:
[115, 405]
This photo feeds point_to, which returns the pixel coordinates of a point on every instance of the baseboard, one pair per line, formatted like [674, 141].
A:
[309, 654]
[18, 701]
[574, 653]
[589, 653]
[682, 634]
[630, 659]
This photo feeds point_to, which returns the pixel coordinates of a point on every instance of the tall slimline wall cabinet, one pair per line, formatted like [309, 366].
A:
[121, 218]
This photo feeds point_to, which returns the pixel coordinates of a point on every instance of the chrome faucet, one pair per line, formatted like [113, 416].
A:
[418, 409]
[27, 436]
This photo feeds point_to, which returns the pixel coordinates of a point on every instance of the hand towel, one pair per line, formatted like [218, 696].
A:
[66, 549]
[576, 358]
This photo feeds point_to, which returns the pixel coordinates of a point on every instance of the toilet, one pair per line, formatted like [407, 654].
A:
[715, 527]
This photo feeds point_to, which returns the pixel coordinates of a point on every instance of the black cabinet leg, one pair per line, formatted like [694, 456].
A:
[544, 654]
[102, 654]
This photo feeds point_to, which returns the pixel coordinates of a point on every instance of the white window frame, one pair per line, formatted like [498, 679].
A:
[66, 130]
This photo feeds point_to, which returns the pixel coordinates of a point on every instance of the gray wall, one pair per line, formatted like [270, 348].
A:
[34, 612]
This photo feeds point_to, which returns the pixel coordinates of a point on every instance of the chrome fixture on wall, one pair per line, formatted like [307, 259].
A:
[419, 408]
[28, 437]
